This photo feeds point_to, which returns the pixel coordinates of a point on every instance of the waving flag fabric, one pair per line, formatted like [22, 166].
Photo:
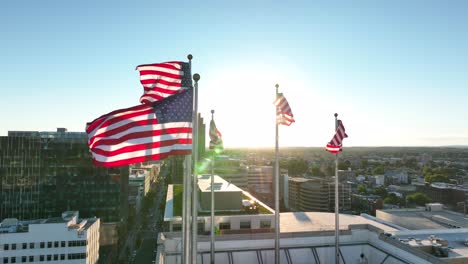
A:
[162, 80]
[216, 142]
[144, 132]
[334, 146]
[284, 115]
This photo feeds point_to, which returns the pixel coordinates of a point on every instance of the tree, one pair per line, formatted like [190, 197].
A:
[315, 171]
[344, 165]
[297, 167]
[418, 199]
[392, 199]
[379, 170]
[362, 189]
[381, 191]
[436, 174]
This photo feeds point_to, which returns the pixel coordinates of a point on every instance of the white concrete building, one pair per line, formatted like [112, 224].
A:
[65, 239]
[306, 237]
[230, 214]
[379, 180]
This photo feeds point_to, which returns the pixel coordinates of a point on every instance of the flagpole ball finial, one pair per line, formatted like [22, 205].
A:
[336, 115]
[196, 77]
[277, 85]
[190, 57]
[212, 111]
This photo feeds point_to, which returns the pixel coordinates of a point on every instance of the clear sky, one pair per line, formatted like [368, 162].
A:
[396, 72]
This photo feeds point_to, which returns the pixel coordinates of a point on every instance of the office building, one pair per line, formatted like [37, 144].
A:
[317, 194]
[45, 173]
[308, 237]
[236, 211]
[432, 216]
[65, 239]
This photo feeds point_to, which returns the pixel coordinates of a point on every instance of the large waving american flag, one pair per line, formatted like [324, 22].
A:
[216, 141]
[284, 115]
[144, 132]
[162, 80]
[334, 146]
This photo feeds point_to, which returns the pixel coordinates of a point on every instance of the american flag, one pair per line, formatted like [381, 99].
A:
[334, 146]
[216, 142]
[284, 115]
[161, 80]
[144, 132]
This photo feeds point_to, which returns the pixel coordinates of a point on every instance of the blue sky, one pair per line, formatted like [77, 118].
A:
[395, 71]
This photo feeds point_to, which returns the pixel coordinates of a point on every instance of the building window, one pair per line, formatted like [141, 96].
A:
[31, 245]
[23, 259]
[25, 245]
[62, 244]
[245, 224]
[62, 256]
[6, 246]
[265, 224]
[56, 244]
[5, 260]
[13, 246]
[13, 259]
[49, 257]
[41, 258]
[224, 226]
[176, 227]
[42, 244]
[55, 256]
[31, 258]
[49, 244]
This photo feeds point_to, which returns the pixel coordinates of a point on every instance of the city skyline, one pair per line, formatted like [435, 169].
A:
[394, 72]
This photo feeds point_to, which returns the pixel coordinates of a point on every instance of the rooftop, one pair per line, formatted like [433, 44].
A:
[454, 237]
[419, 218]
[317, 221]
[220, 185]
[306, 237]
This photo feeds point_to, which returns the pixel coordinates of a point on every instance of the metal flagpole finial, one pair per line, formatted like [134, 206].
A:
[196, 77]
[212, 114]
[336, 115]
[189, 57]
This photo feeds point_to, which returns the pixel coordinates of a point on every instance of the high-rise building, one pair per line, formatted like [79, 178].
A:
[176, 163]
[20, 178]
[46, 173]
[318, 195]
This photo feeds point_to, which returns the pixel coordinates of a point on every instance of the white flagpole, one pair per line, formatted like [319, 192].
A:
[212, 241]
[196, 78]
[186, 200]
[337, 206]
[277, 218]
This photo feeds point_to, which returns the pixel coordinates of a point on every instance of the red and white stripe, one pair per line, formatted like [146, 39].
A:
[284, 115]
[160, 80]
[334, 146]
[134, 135]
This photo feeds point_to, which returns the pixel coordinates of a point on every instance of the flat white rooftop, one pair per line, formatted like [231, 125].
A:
[318, 221]
[220, 184]
[417, 219]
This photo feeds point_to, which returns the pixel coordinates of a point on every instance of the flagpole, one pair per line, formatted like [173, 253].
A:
[212, 241]
[337, 204]
[196, 78]
[277, 226]
[186, 200]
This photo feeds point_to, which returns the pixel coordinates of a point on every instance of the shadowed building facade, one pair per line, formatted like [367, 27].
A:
[46, 173]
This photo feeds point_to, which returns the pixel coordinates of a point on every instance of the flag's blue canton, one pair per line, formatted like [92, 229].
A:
[187, 78]
[177, 108]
